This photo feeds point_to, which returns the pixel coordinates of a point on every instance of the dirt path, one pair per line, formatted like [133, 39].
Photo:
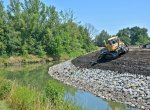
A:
[136, 61]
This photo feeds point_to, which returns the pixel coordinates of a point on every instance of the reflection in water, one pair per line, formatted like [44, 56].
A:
[87, 100]
[34, 75]
[91, 102]
[37, 76]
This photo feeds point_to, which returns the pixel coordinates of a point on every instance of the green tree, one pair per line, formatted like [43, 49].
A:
[51, 37]
[31, 27]
[3, 26]
[101, 37]
[134, 35]
[126, 40]
[138, 35]
[124, 32]
[13, 36]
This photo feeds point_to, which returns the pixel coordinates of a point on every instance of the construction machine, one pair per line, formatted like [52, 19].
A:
[114, 47]
[146, 46]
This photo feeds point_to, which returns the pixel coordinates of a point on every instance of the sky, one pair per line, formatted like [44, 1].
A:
[108, 15]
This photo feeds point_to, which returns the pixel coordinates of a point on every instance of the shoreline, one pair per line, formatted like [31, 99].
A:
[23, 60]
[126, 88]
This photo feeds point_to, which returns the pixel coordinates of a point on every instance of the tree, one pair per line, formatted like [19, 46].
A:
[138, 35]
[3, 26]
[14, 35]
[31, 27]
[134, 35]
[101, 37]
[126, 40]
[91, 29]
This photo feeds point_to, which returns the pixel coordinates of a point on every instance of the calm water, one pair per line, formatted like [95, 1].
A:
[91, 102]
[37, 76]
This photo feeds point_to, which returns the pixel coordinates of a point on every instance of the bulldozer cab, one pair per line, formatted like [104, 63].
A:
[113, 43]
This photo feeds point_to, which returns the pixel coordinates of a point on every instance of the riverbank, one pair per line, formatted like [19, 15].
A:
[32, 59]
[21, 60]
[15, 96]
[130, 89]
[4, 106]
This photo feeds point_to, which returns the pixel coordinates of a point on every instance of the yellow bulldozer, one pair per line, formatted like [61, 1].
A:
[114, 47]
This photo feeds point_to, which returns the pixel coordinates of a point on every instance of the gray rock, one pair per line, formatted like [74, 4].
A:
[126, 88]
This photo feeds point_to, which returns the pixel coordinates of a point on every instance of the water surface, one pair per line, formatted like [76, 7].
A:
[36, 75]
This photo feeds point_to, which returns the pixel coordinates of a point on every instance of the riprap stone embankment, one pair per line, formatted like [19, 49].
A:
[130, 89]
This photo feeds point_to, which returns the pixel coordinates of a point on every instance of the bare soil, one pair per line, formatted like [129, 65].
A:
[136, 61]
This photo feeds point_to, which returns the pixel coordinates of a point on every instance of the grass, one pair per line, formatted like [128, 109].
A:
[18, 95]
[4, 106]
[21, 97]
[29, 58]
[17, 60]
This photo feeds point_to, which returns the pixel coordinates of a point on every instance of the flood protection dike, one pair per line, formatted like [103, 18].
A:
[124, 80]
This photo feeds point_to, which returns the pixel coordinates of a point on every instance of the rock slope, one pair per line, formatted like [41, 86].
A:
[131, 89]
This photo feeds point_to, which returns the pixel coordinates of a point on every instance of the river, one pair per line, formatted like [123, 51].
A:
[36, 75]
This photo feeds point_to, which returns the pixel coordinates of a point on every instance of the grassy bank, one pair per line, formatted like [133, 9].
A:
[19, 60]
[31, 89]
[4, 106]
[30, 59]
[21, 97]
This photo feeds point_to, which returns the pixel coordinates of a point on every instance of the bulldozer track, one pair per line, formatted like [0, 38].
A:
[136, 61]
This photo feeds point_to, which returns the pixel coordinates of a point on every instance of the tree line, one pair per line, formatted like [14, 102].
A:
[130, 36]
[32, 27]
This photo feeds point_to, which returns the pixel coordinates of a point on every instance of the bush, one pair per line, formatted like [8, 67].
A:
[69, 106]
[5, 88]
[54, 91]
[23, 98]
[20, 97]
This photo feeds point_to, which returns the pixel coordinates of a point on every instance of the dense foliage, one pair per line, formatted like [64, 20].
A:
[101, 37]
[31, 27]
[130, 36]
[134, 35]
[19, 97]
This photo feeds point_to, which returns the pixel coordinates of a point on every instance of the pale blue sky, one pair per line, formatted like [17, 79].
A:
[110, 15]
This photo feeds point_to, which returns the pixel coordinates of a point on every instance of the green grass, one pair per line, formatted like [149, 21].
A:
[29, 58]
[17, 60]
[21, 97]
[30, 87]
[4, 106]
